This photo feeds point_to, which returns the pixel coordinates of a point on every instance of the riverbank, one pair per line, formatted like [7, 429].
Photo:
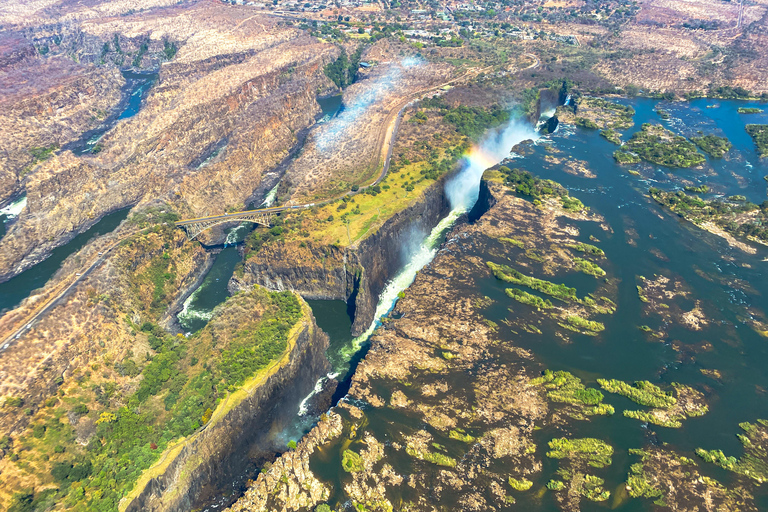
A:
[197, 461]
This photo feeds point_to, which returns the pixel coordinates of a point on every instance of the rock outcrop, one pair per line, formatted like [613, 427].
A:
[356, 274]
[218, 454]
[223, 113]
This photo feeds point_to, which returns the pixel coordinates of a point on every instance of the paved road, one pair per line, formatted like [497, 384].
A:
[47, 305]
[386, 146]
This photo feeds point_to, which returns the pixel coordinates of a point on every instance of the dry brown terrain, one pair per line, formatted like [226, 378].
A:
[239, 83]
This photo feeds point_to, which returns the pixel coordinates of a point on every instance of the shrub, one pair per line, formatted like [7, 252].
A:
[352, 462]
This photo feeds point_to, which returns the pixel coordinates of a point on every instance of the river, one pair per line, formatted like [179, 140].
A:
[19, 287]
[643, 240]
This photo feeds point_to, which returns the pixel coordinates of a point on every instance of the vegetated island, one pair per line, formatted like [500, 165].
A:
[759, 133]
[714, 146]
[657, 145]
[750, 110]
[734, 216]
[597, 113]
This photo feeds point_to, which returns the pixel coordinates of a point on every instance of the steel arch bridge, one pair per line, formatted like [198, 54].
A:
[194, 227]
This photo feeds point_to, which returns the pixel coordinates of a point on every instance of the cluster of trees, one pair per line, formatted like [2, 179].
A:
[343, 70]
[128, 439]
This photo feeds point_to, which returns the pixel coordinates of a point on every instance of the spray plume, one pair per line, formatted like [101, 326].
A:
[463, 189]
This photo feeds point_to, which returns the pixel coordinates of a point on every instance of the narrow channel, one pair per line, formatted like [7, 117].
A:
[19, 287]
[135, 90]
[462, 190]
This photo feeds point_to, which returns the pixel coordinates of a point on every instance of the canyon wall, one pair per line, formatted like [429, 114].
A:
[357, 273]
[217, 455]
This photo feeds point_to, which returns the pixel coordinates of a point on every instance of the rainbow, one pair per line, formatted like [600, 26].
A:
[480, 158]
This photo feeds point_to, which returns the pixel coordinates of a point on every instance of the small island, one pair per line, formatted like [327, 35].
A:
[657, 145]
[734, 216]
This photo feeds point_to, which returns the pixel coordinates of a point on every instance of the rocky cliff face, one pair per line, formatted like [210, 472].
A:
[442, 411]
[224, 112]
[218, 454]
[355, 274]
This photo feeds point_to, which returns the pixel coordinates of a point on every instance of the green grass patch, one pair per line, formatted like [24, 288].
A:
[510, 275]
[594, 452]
[513, 241]
[521, 484]
[460, 435]
[529, 299]
[433, 457]
[727, 214]
[565, 387]
[750, 110]
[672, 421]
[586, 248]
[587, 267]
[642, 392]
[701, 189]
[625, 157]
[582, 324]
[611, 135]
[754, 462]
[351, 462]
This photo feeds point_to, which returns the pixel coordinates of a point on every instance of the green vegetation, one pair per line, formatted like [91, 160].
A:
[526, 184]
[460, 435]
[555, 485]
[529, 299]
[658, 145]
[140, 55]
[602, 113]
[153, 216]
[611, 135]
[759, 133]
[750, 110]
[513, 241]
[520, 485]
[642, 392]
[343, 70]
[664, 114]
[433, 457]
[40, 154]
[471, 122]
[735, 215]
[640, 483]
[701, 189]
[565, 387]
[510, 275]
[174, 396]
[169, 50]
[577, 323]
[662, 420]
[593, 452]
[625, 157]
[586, 123]
[714, 146]
[754, 462]
[587, 267]
[352, 462]
[586, 248]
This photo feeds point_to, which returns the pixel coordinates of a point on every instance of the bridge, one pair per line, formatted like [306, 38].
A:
[262, 216]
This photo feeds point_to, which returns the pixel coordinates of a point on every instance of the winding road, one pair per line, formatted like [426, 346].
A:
[386, 145]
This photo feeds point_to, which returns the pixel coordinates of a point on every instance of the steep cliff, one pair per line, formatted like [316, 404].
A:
[223, 113]
[218, 454]
[357, 273]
